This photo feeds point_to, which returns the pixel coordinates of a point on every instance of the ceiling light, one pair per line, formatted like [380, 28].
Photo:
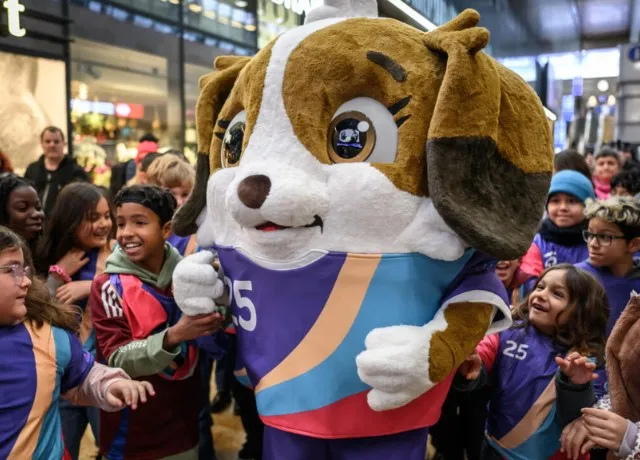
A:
[195, 7]
[175, 2]
[223, 20]
[241, 3]
[413, 14]
[210, 14]
[236, 24]
[250, 28]
[603, 86]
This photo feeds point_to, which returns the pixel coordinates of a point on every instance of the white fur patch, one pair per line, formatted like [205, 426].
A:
[361, 210]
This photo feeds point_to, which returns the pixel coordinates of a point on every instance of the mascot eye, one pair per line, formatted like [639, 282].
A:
[362, 129]
[232, 140]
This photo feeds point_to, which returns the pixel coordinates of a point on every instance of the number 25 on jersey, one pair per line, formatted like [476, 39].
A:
[246, 319]
[514, 350]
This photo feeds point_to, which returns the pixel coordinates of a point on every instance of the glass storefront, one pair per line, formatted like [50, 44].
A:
[119, 95]
[275, 18]
[108, 72]
[230, 19]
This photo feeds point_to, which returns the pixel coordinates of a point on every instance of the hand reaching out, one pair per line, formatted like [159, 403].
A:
[471, 367]
[577, 368]
[123, 393]
[192, 327]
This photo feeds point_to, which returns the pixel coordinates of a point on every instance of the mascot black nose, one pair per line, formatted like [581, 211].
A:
[253, 190]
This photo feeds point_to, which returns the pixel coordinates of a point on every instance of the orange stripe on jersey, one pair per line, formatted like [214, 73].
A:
[532, 421]
[44, 349]
[332, 325]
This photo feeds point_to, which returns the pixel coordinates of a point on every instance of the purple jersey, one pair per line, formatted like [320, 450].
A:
[521, 422]
[300, 330]
[618, 291]
[40, 365]
[556, 254]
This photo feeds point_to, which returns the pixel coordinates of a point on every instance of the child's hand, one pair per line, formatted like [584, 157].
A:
[190, 328]
[471, 367]
[73, 291]
[577, 368]
[123, 393]
[605, 428]
[575, 440]
[73, 261]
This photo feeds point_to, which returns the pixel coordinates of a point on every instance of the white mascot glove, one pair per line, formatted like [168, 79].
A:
[396, 365]
[196, 284]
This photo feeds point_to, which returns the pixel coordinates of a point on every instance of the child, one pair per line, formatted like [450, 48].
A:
[613, 238]
[560, 238]
[42, 360]
[177, 176]
[626, 183]
[141, 330]
[607, 165]
[571, 160]
[509, 273]
[565, 313]
[73, 250]
[20, 209]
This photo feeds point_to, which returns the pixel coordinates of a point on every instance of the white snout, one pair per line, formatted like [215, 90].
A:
[294, 198]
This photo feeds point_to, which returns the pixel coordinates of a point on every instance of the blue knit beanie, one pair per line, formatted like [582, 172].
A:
[572, 183]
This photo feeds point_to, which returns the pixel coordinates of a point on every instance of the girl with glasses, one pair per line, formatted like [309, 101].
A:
[43, 359]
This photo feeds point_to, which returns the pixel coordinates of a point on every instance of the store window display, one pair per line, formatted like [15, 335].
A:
[119, 95]
[32, 96]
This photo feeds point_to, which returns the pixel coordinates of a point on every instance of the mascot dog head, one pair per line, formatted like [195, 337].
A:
[360, 134]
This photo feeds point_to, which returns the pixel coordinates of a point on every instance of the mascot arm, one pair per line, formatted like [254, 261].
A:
[197, 284]
[401, 363]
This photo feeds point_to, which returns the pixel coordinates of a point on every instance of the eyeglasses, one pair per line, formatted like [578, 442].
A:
[18, 271]
[603, 240]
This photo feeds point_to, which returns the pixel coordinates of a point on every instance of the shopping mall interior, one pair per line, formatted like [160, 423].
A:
[109, 71]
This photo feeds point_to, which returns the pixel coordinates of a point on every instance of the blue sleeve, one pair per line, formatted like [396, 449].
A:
[79, 364]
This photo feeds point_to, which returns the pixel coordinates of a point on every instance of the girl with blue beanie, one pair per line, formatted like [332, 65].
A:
[560, 239]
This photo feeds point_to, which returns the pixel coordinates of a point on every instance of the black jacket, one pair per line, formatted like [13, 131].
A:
[49, 183]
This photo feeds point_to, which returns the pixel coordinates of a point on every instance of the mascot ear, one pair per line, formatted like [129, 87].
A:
[215, 87]
[489, 147]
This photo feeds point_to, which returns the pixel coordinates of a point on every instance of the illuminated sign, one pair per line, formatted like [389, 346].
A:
[122, 110]
[14, 8]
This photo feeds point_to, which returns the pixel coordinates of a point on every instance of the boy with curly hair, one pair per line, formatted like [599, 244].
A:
[613, 237]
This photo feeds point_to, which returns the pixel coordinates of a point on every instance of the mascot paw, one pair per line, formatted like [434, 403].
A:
[396, 365]
[196, 284]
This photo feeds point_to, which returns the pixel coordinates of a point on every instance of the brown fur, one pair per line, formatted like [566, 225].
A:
[246, 95]
[623, 356]
[477, 140]
[215, 88]
[467, 322]
[350, 74]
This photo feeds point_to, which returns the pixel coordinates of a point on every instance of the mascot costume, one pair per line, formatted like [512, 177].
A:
[357, 180]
